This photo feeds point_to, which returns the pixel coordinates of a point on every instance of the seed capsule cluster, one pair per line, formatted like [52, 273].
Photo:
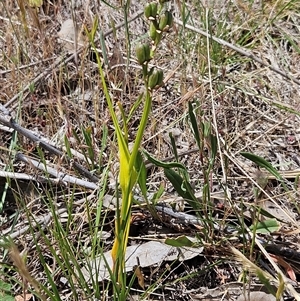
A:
[160, 21]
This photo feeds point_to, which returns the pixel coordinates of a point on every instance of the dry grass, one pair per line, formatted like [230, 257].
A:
[55, 93]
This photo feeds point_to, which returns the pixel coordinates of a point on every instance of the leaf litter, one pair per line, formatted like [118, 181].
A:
[257, 112]
[151, 253]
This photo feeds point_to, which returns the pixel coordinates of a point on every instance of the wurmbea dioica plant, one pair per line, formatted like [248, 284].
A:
[160, 21]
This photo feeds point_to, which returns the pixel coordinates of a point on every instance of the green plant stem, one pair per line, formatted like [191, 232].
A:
[141, 130]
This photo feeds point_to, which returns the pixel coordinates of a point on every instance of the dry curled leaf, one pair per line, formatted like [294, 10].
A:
[27, 297]
[140, 276]
[149, 253]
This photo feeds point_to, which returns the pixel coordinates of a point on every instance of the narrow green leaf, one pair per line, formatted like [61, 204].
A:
[261, 162]
[103, 143]
[109, 4]
[182, 187]
[5, 290]
[5, 286]
[266, 227]
[174, 147]
[163, 164]
[214, 148]
[181, 241]
[194, 125]
[68, 147]
[280, 289]
[176, 181]
[5, 297]
[265, 213]
[135, 106]
[103, 47]
[206, 129]
[87, 134]
[125, 128]
[93, 31]
[141, 129]
[157, 194]
[74, 133]
[265, 281]
[192, 200]
[142, 174]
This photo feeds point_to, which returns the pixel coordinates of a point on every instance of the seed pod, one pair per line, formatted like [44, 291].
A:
[151, 10]
[143, 53]
[152, 81]
[154, 9]
[170, 18]
[160, 77]
[155, 79]
[148, 11]
[152, 31]
[165, 20]
[158, 37]
[147, 52]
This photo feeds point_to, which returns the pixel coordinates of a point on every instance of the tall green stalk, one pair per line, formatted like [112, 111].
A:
[160, 21]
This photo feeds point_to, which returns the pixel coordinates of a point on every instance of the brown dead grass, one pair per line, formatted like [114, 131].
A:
[251, 108]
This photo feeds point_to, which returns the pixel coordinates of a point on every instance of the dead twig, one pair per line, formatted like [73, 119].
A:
[8, 121]
[54, 172]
